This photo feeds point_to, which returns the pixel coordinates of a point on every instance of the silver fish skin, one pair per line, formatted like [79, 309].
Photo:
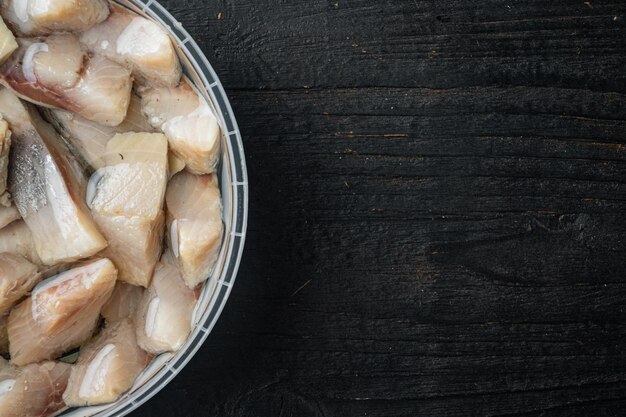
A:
[48, 187]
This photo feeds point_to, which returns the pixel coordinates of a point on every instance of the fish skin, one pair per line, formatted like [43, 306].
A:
[48, 187]
[43, 17]
[137, 43]
[127, 203]
[194, 224]
[17, 278]
[108, 375]
[37, 389]
[165, 328]
[61, 314]
[101, 93]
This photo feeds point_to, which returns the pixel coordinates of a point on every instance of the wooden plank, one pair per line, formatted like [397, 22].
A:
[437, 200]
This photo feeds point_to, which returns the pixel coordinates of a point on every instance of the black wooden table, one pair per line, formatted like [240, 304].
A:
[437, 228]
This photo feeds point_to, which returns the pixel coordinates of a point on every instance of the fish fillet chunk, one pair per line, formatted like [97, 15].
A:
[191, 128]
[40, 17]
[47, 187]
[107, 367]
[194, 224]
[126, 199]
[61, 313]
[32, 391]
[165, 312]
[138, 43]
[17, 277]
[55, 71]
[123, 303]
[5, 148]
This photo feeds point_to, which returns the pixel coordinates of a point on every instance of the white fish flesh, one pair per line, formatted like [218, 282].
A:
[41, 17]
[8, 44]
[123, 303]
[194, 224]
[47, 187]
[89, 139]
[191, 128]
[5, 148]
[126, 199]
[16, 238]
[61, 313]
[165, 312]
[107, 366]
[17, 278]
[32, 391]
[137, 43]
[8, 215]
[56, 72]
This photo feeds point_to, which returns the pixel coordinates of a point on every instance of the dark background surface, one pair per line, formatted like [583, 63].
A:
[437, 226]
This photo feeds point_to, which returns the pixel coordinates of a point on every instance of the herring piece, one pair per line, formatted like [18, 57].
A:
[123, 303]
[8, 215]
[61, 313]
[33, 391]
[188, 122]
[56, 72]
[89, 139]
[5, 147]
[48, 187]
[126, 199]
[8, 44]
[17, 277]
[41, 17]
[107, 366]
[165, 312]
[194, 224]
[137, 43]
[16, 238]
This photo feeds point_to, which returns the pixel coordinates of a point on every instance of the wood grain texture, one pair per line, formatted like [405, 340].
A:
[437, 228]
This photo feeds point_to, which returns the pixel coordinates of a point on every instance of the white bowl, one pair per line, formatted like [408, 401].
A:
[234, 186]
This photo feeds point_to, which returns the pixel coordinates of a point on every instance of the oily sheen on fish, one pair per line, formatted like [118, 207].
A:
[61, 313]
[107, 366]
[55, 71]
[32, 391]
[47, 187]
